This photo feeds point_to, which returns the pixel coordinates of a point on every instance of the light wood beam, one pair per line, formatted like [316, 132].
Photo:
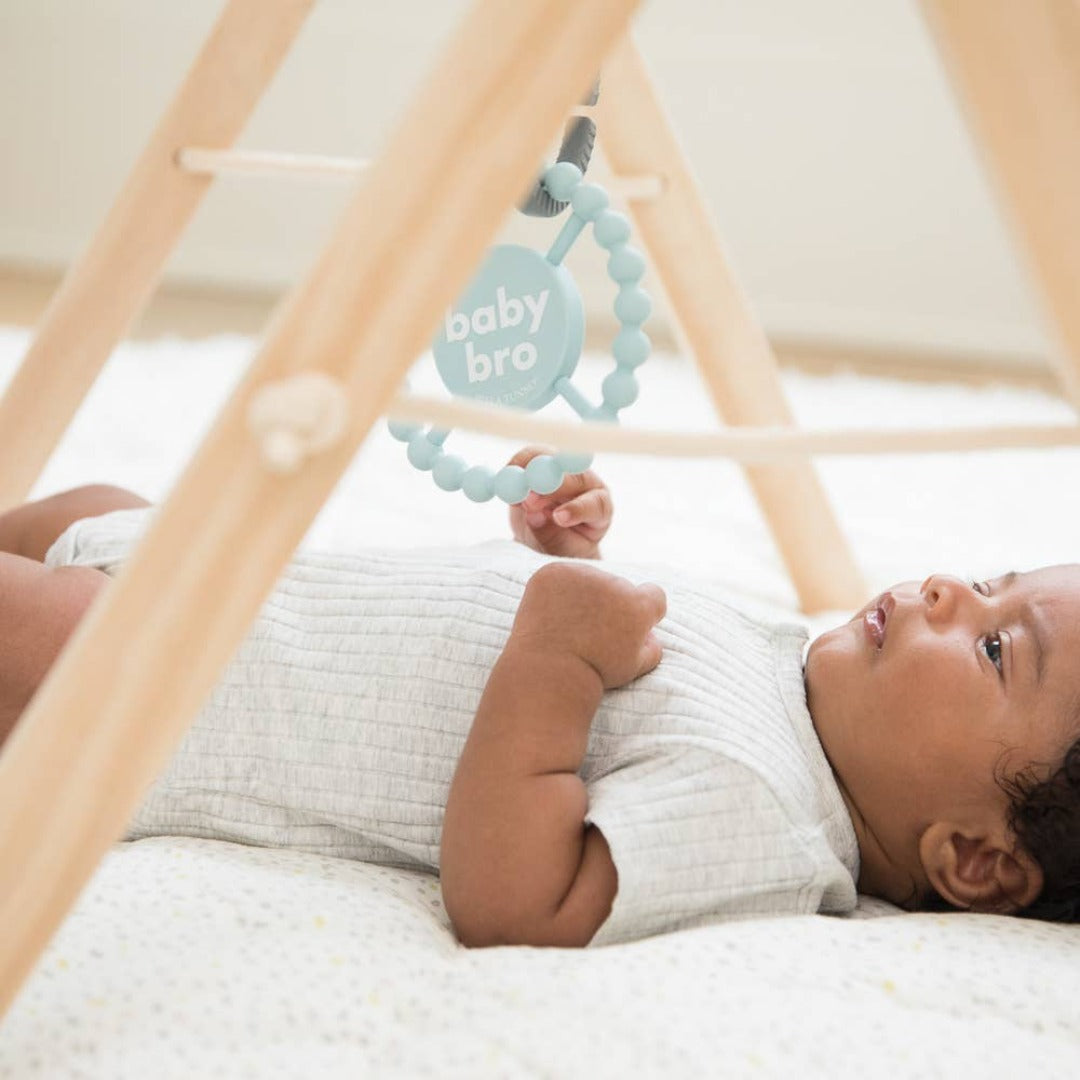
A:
[116, 704]
[1016, 68]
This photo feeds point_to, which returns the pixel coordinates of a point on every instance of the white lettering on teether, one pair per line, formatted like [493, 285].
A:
[480, 366]
[505, 312]
[524, 356]
[536, 305]
[457, 325]
[511, 311]
[483, 320]
[477, 364]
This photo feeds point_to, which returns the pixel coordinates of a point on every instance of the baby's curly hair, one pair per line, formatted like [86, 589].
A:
[1044, 816]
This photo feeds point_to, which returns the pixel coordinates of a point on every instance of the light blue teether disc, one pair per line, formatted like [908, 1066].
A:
[517, 330]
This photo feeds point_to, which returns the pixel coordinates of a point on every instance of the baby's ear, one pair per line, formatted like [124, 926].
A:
[979, 870]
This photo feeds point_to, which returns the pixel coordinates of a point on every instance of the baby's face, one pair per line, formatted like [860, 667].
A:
[932, 690]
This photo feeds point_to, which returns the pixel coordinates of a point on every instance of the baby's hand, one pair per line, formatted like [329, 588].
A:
[571, 521]
[605, 620]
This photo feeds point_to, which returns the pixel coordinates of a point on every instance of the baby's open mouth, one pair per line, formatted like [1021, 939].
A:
[876, 618]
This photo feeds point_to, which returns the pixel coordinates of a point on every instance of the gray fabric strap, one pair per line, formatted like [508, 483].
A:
[577, 146]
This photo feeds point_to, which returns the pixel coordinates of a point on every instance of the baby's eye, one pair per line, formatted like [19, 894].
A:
[992, 647]
[981, 587]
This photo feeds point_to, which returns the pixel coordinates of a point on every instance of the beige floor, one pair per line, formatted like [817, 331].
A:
[193, 312]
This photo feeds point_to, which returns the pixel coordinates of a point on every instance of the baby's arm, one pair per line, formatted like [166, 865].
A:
[31, 529]
[518, 865]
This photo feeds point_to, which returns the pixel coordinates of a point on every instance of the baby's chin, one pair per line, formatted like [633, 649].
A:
[827, 642]
[823, 679]
[827, 657]
[812, 665]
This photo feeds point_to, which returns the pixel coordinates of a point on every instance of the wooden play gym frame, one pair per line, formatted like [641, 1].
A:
[115, 705]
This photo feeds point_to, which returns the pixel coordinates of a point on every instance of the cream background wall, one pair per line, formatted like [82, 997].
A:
[846, 188]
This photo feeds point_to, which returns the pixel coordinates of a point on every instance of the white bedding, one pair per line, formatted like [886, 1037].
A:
[186, 957]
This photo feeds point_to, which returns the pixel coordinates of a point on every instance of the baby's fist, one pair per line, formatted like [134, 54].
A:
[605, 620]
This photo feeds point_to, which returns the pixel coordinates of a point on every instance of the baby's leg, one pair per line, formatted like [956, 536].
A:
[40, 607]
[31, 529]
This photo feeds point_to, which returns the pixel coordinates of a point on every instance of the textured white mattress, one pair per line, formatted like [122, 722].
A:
[187, 957]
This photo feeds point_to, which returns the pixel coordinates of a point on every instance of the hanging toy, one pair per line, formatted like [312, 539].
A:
[514, 338]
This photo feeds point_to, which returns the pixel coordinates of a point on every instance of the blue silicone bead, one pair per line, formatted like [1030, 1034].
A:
[561, 179]
[403, 430]
[573, 461]
[448, 471]
[423, 454]
[632, 305]
[543, 474]
[631, 347]
[611, 228]
[478, 483]
[620, 389]
[510, 484]
[588, 201]
[626, 264]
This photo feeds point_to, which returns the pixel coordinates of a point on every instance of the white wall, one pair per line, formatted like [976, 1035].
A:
[823, 132]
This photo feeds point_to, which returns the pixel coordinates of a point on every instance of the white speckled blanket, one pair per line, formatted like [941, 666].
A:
[188, 957]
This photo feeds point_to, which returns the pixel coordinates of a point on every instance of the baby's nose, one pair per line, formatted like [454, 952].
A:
[941, 593]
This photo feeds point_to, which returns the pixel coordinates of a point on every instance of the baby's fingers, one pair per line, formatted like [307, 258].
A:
[654, 601]
[527, 453]
[594, 508]
[650, 655]
[573, 485]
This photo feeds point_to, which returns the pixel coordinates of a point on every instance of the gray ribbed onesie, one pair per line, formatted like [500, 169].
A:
[337, 726]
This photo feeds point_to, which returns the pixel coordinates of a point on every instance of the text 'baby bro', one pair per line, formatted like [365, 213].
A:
[506, 312]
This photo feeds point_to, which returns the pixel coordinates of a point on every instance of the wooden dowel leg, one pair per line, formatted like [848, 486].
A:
[120, 697]
[105, 290]
[730, 347]
[1016, 67]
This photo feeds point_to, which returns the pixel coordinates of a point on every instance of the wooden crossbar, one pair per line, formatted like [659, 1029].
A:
[744, 444]
[264, 163]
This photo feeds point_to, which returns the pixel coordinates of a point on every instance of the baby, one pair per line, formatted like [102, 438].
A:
[585, 758]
